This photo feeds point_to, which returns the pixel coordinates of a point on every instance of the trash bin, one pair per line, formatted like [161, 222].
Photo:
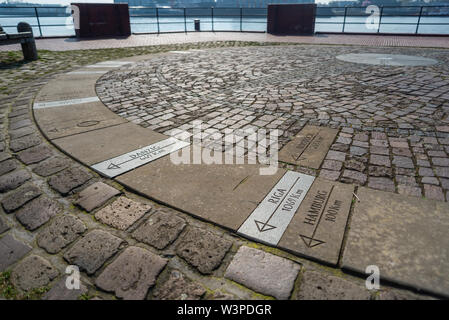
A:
[197, 24]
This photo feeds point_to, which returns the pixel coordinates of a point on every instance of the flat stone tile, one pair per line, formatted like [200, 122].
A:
[60, 122]
[160, 229]
[13, 180]
[178, 287]
[60, 291]
[23, 143]
[62, 231]
[267, 223]
[122, 213]
[33, 272]
[202, 249]
[92, 251]
[224, 194]
[37, 212]
[35, 154]
[406, 237]
[263, 272]
[7, 166]
[66, 88]
[19, 197]
[69, 179]
[309, 147]
[318, 227]
[19, 133]
[319, 286]
[131, 274]
[11, 251]
[51, 166]
[96, 195]
[107, 143]
[3, 226]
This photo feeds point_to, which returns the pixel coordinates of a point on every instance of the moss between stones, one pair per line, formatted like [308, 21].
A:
[9, 291]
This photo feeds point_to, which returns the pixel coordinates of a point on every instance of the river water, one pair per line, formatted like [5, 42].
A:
[63, 26]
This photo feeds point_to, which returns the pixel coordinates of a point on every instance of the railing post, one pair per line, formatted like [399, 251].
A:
[241, 14]
[344, 19]
[419, 20]
[185, 21]
[212, 16]
[380, 18]
[38, 21]
[157, 19]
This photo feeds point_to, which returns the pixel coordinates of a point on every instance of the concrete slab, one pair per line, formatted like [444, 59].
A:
[99, 145]
[136, 158]
[269, 220]
[309, 147]
[387, 59]
[67, 88]
[64, 121]
[406, 237]
[223, 194]
[318, 227]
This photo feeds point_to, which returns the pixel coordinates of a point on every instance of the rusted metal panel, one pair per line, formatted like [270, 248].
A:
[291, 19]
[103, 20]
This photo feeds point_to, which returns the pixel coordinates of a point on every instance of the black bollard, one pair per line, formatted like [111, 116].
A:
[197, 24]
[28, 43]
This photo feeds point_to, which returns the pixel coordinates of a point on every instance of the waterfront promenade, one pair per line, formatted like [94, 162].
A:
[363, 125]
[67, 44]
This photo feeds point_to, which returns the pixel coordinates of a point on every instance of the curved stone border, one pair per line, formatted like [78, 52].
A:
[69, 116]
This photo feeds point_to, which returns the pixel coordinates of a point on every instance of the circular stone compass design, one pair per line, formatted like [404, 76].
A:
[387, 59]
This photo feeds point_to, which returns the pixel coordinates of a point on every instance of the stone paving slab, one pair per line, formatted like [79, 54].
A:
[106, 143]
[11, 251]
[92, 251]
[122, 213]
[67, 180]
[318, 286]
[68, 87]
[224, 194]
[405, 237]
[178, 287]
[64, 121]
[60, 292]
[267, 223]
[33, 272]
[160, 229]
[62, 231]
[19, 197]
[132, 273]
[3, 225]
[37, 212]
[203, 249]
[309, 147]
[96, 195]
[318, 227]
[263, 272]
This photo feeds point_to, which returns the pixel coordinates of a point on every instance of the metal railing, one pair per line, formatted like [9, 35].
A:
[36, 17]
[56, 21]
[210, 18]
[404, 19]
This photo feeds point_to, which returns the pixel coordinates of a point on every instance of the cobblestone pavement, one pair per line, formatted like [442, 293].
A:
[68, 44]
[394, 120]
[55, 212]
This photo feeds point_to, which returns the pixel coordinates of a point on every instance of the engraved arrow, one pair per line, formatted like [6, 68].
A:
[264, 226]
[311, 242]
[117, 166]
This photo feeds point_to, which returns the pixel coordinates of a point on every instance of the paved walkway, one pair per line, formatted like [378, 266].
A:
[63, 44]
[48, 200]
